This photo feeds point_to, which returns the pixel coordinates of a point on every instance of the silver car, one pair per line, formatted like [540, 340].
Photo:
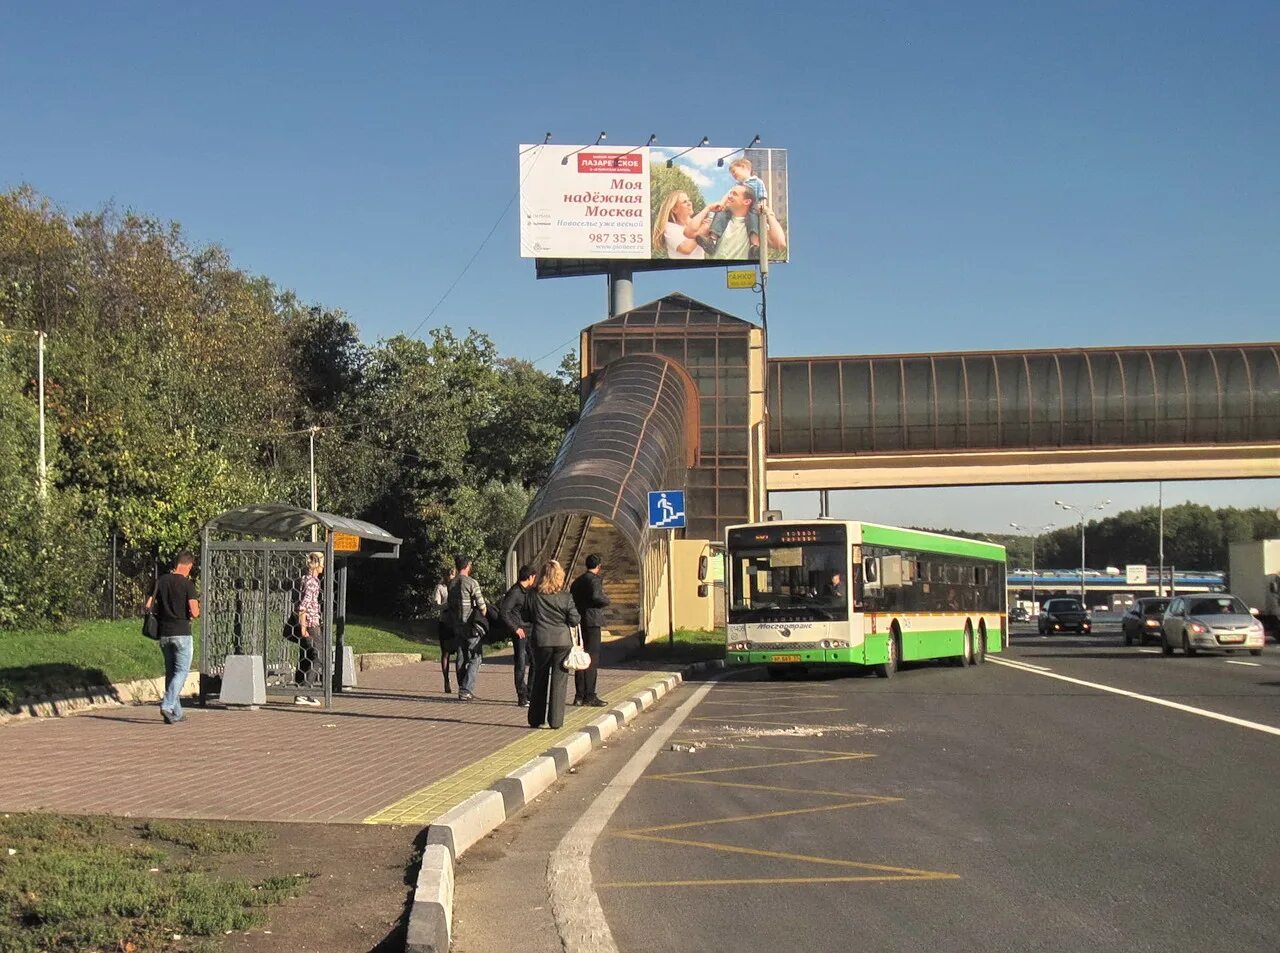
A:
[1203, 621]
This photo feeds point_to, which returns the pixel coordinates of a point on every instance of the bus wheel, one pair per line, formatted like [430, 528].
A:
[966, 653]
[886, 668]
[980, 647]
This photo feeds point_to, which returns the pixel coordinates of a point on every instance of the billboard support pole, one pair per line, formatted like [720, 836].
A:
[621, 291]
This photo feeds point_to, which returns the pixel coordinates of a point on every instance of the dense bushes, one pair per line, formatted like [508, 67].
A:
[179, 386]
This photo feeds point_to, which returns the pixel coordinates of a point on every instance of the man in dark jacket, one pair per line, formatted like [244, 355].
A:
[514, 613]
[588, 596]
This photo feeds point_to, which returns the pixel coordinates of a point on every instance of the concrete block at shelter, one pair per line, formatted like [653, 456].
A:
[244, 681]
[348, 667]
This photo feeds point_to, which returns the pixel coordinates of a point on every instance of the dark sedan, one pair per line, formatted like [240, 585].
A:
[1141, 623]
[1063, 615]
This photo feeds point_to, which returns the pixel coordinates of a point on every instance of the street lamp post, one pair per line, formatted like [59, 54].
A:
[1035, 534]
[1083, 511]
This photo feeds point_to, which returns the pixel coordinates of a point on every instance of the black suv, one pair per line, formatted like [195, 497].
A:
[1063, 615]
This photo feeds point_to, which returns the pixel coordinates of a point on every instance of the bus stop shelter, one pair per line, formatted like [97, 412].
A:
[253, 561]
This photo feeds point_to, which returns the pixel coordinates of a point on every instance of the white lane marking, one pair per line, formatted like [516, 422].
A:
[1149, 651]
[574, 902]
[1018, 663]
[1232, 661]
[1216, 716]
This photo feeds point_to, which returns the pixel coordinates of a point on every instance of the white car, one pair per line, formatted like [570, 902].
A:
[1220, 622]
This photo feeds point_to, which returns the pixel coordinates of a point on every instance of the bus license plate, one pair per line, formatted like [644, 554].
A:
[785, 658]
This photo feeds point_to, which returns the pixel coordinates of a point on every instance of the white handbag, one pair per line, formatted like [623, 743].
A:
[577, 660]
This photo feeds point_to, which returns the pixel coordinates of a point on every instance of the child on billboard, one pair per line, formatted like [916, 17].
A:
[743, 174]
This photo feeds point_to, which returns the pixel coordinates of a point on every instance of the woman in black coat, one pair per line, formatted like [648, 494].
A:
[554, 618]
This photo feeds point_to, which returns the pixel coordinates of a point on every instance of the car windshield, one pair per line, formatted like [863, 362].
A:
[1065, 605]
[1155, 606]
[1227, 605]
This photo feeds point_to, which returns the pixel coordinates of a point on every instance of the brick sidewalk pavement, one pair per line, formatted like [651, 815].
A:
[385, 753]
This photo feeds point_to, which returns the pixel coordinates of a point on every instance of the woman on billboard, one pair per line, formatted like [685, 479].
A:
[676, 228]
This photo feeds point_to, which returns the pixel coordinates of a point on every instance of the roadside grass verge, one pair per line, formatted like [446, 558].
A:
[35, 662]
[689, 645]
[90, 883]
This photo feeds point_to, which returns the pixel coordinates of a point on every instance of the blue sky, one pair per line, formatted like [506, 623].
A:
[961, 175]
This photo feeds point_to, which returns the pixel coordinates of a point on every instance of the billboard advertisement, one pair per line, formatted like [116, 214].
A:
[666, 206]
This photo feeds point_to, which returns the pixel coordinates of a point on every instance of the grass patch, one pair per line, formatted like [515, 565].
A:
[204, 839]
[689, 645]
[35, 662]
[367, 634]
[72, 883]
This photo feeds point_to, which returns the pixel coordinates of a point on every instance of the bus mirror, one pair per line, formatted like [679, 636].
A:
[703, 591]
[871, 572]
[702, 568]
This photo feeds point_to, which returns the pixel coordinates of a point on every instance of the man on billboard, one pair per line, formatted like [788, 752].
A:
[737, 241]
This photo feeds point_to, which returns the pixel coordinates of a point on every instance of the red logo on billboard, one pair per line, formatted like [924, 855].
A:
[629, 164]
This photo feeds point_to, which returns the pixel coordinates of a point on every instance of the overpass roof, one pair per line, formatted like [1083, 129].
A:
[1044, 398]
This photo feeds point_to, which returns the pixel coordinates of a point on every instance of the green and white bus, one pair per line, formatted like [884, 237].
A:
[833, 592]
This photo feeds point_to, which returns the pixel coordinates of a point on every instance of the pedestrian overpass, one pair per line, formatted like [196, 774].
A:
[679, 395]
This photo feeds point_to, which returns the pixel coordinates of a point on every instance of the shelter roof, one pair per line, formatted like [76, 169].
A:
[282, 521]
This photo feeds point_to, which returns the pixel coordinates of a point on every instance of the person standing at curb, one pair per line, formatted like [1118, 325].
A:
[554, 616]
[465, 598]
[175, 605]
[514, 612]
[589, 597]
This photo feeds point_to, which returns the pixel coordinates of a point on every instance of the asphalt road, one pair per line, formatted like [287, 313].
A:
[988, 808]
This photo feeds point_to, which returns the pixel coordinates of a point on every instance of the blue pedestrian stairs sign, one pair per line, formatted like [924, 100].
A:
[666, 509]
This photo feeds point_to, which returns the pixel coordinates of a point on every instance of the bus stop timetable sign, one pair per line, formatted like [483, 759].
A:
[666, 509]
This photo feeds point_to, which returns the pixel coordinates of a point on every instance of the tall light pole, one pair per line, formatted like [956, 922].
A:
[1083, 511]
[42, 469]
[1035, 534]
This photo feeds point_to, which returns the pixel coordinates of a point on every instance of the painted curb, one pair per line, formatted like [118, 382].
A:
[460, 827]
[431, 913]
[526, 782]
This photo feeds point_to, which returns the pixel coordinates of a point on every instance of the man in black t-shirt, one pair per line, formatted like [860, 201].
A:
[175, 604]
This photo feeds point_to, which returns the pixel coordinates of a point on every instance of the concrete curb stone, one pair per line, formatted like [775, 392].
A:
[431, 914]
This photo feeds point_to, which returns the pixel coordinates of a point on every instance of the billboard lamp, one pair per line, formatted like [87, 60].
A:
[653, 137]
[720, 161]
[599, 139]
[545, 140]
[705, 142]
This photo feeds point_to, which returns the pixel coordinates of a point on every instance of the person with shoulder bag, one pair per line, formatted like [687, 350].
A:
[555, 618]
[174, 604]
[467, 614]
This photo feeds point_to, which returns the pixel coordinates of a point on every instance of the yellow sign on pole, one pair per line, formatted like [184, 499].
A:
[742, 278]
[346, 543]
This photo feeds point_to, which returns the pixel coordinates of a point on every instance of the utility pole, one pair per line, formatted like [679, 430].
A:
[314, 430]
[1160, 588]
[1034, 536]
[42, 468]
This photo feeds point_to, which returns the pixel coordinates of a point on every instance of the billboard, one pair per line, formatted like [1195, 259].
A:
[656, 206]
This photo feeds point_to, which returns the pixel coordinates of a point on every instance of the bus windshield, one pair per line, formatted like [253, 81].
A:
[795, 582]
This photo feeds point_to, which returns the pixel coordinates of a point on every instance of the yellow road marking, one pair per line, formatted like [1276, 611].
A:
[425, 805]
[774, 880]
[637, 833]
[726, 719]
[897, 873]
[846, 801]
